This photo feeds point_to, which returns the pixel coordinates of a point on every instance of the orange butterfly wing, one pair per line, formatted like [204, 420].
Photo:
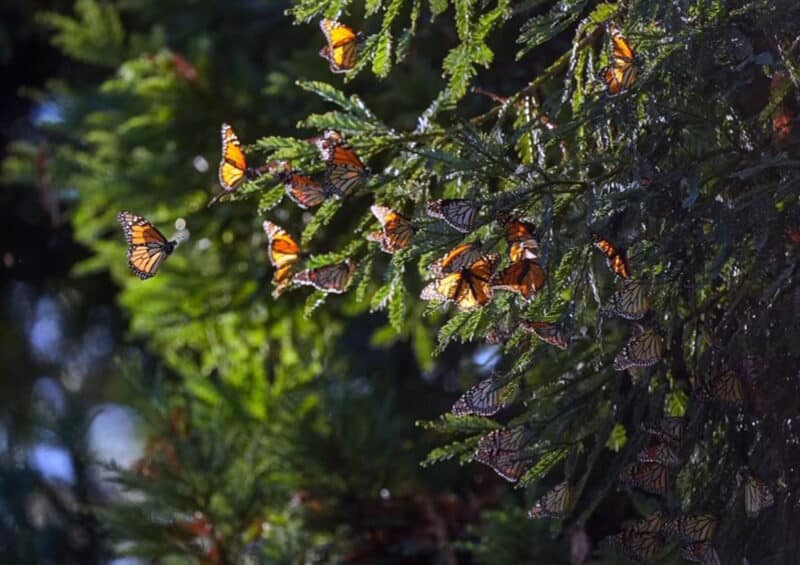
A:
[329, 278]
[397, 230]
[469, 287]
[621, 73]
[456, 259]
[342, 48]
[147, 247]
[617, 258]
[303, 190]
[284, 254]
[233, 165]
[525, 277]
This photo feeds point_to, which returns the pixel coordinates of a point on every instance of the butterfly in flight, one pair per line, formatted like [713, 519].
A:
[458, 213]
[547, 332]
[284, 254]
[342, 46]
[557, 503]
[302, 189]
[345, 170]
[620, 75]
[328, 278]
[617, 258]
[147, 247]
[642, 350]
[486, 398]
[396, 232]
[233, 169]
[468, 287]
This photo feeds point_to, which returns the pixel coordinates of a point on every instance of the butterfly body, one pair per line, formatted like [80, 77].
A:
[342, 46]
[147, 247]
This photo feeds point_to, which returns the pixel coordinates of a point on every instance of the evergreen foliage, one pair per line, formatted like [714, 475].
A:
[298, 442]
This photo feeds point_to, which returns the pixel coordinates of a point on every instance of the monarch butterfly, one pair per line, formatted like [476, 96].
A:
[660, 453]
[669, 429]
[458, 213]
[547, 332]
[484, 399]
[346, 171]
[329, 278]
[650, 477]
[757, 496]
[617, 258]
[284, 254]
[629, 302]
[396, 232]
[302, 189]
[147, 247]
[521, 238]
[653, 523]
[233, 169]
[342, 48]
[697, 527]
[510, 465]
[525, 277]
[642, 547]
[502, 451]
[557, 503]
[456, 259]
[726, 387]
[642, 350]
[620, 75]
[468, 288]
[701, 552]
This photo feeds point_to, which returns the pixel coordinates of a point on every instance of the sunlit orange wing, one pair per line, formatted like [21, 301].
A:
[469, 288]
[147, 247]
[341, 50]
[617, 258]
[397, 231]
[456, 259]
[284, 254]
[620, 75]
[525, 277]
[233, 165]
[302, 189]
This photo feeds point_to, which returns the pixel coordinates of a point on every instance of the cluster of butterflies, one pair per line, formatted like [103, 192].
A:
[148, 248]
